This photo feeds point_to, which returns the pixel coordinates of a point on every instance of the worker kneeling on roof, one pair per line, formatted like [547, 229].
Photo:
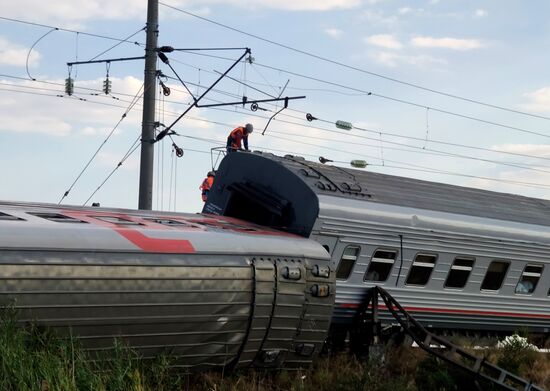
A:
[236, 136]
[207, 185]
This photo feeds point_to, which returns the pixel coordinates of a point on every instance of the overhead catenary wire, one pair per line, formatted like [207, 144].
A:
[32, 47]
[123, 116]
[354, 68]
[378, 133]
[68, 30]
[432, 151]
[355, 136]
[398, 100]
[408, 166]
[135, 145]
[118, 43]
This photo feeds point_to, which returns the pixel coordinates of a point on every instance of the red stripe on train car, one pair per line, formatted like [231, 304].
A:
[133, 235]
[457, 311]
[157, 245]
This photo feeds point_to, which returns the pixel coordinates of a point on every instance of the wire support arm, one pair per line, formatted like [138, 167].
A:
[106, 60]
[245, 101]
[195, 103]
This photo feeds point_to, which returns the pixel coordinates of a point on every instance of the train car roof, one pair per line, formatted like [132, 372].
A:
[240, 170]
[60, 227]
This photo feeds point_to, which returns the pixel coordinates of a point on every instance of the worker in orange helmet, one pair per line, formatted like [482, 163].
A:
[207, 185]
[236, 136]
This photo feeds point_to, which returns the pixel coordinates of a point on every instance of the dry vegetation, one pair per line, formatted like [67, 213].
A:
[33, 359]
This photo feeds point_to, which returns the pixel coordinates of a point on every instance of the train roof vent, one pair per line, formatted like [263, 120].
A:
[57, 217]
[7, 217]
[116, 220]
[168, 222]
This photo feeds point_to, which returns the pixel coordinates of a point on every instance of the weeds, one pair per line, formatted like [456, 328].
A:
[34, 358]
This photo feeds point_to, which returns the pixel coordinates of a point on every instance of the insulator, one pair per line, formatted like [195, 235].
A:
[310, 117]
[358, 163]
[163, 58]
[107, 86]
[179, 151]
[69, 86]
[344, 125]
[250, 59]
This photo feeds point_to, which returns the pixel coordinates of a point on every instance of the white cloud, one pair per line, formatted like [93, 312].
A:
[334, 32]
[539, 100]
[447, 43]
[480, 13]
[110, 159]
[384, 40]
[404, 10]
[16, 55]
[292, 5]
[46, 113]
[392, 59]
[538, 150]
[376, 17]
[72, 13]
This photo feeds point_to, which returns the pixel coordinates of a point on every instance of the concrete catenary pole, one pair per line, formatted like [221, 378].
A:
[148, 122]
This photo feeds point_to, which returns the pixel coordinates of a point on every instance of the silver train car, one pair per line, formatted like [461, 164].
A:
[210, 291]
[454, 257]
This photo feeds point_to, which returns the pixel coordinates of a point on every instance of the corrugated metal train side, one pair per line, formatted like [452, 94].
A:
[209, 291]
[455, 257]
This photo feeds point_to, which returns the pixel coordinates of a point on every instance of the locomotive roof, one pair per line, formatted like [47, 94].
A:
[48, 226]
[294, 183]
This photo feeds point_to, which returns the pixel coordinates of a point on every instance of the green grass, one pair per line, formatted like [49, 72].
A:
[33, 358]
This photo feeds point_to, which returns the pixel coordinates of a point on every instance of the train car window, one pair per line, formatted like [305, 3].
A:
[380, 265]
[421, 269]
[459, 273]
[529, 279]
[495, 275]
[5, 216]
[347, 262]
[57, 217]
[116, 220]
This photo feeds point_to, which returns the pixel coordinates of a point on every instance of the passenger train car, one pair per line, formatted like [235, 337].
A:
[209, 290]
[454, 257]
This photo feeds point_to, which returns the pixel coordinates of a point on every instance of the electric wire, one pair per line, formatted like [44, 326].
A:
[32, 47]
[347, 66]
[200, 119]
[135, 145]
[398, 100]
[67, 30]
[123, 116]
[118, 43]
[363, 129]
[405, 165]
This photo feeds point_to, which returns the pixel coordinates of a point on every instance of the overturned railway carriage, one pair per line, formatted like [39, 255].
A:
[211, 291]
[454, 257]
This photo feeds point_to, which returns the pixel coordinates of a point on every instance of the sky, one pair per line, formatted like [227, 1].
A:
[448, 91]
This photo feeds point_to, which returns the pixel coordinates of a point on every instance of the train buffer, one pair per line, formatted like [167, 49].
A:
[366, 330]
